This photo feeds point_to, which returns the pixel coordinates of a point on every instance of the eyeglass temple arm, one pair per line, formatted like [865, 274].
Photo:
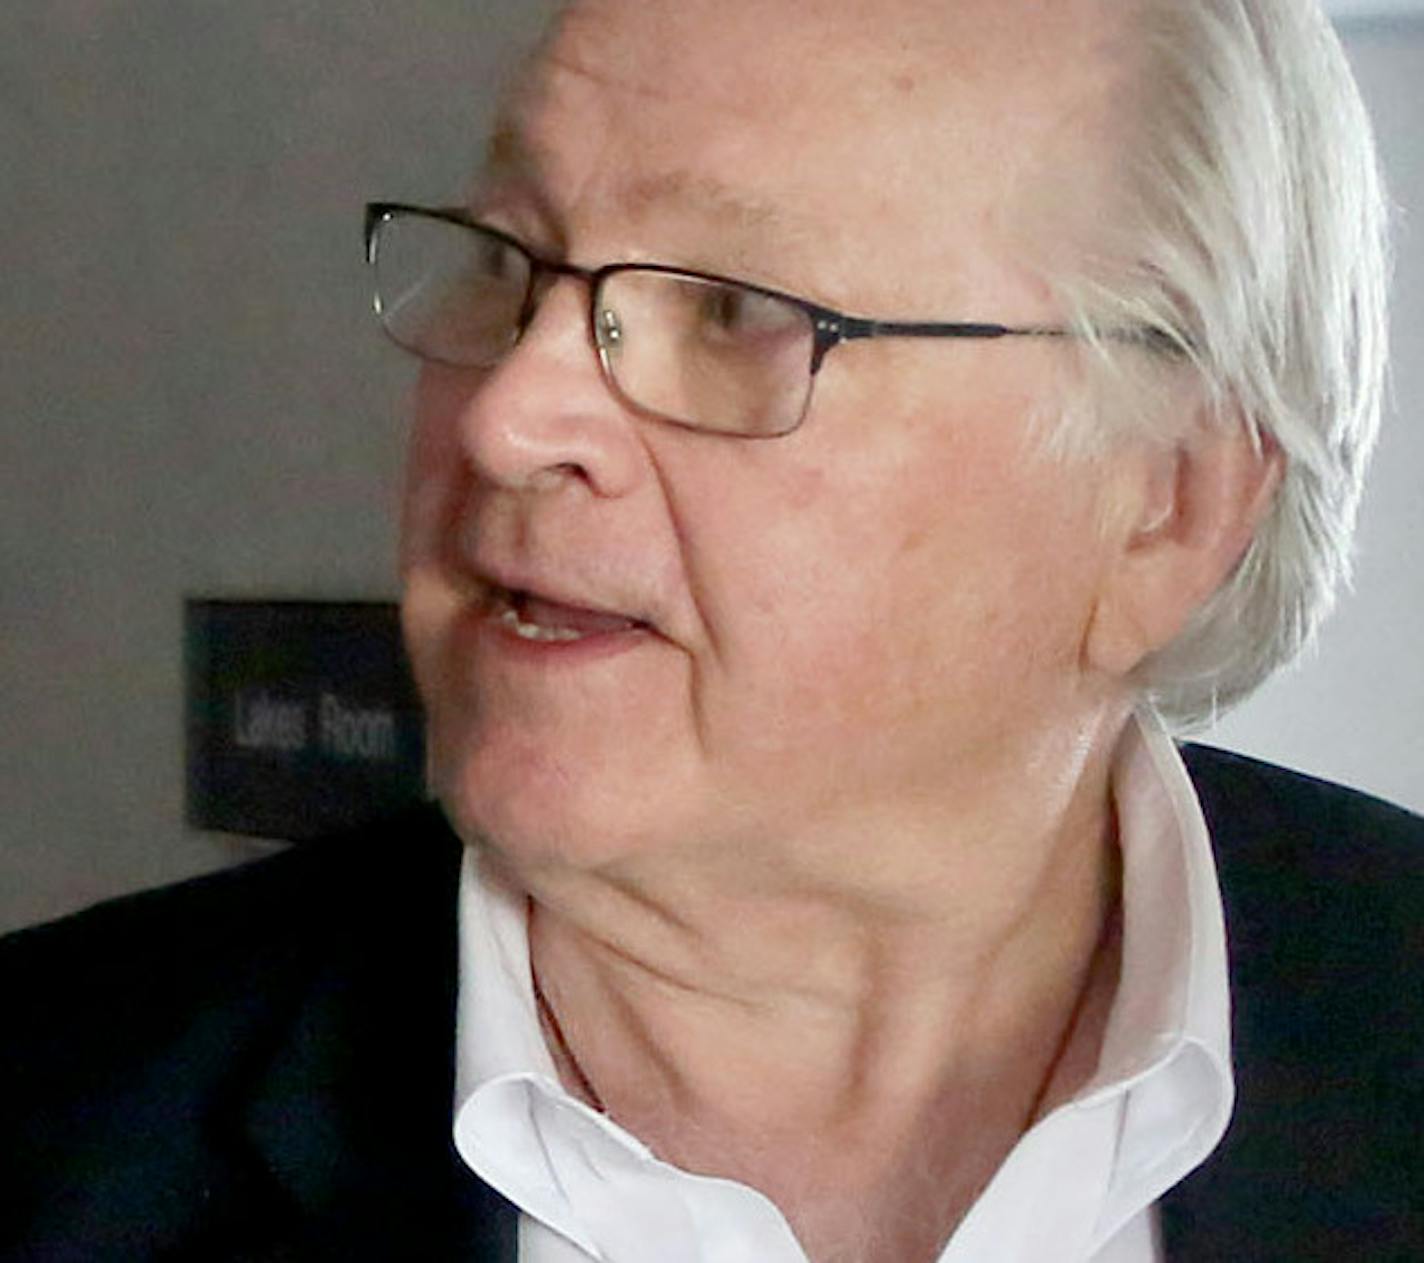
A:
[852, 327]
[831, 328]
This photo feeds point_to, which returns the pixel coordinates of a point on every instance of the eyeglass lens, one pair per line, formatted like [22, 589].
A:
[706, 353]
[448, 293]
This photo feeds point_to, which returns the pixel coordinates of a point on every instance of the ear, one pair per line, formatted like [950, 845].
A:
[1181, 520]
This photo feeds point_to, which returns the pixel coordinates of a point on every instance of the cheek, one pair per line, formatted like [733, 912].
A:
[436, 471]
[901, 606]
[436, 483]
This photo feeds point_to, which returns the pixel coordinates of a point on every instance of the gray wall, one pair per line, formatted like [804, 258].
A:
[193, 400]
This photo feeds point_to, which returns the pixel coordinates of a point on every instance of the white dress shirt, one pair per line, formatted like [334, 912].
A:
[1081, 1184]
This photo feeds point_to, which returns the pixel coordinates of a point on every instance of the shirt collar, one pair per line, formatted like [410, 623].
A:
[1172, 988]
[1166, 1050]
[496, 996]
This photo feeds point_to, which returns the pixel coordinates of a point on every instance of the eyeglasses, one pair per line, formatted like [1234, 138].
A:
[702, 351]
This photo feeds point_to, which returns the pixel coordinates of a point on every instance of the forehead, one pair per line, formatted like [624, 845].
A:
[822, 117]
[847, 58]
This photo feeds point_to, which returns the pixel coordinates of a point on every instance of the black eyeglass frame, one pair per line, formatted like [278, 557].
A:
[829, 327]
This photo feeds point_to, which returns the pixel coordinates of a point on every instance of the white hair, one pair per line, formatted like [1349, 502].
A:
[1251, 233]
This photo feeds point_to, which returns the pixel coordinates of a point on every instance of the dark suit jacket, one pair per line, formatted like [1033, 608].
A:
[258, 1065]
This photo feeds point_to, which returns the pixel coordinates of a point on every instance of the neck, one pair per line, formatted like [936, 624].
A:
[829, 1004]
[725, 1024]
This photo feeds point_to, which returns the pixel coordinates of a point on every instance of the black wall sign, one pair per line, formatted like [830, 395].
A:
[302, 718]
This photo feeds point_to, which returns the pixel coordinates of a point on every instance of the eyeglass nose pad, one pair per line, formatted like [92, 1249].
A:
[608, 330]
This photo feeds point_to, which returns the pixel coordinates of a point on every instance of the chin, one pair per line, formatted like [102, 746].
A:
[540, 811]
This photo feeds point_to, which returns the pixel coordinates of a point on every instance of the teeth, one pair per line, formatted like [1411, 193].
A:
[509, 618]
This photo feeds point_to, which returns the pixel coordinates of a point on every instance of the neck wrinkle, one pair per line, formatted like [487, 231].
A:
[916, 1013]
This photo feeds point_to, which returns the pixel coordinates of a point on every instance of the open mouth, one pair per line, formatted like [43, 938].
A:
[537, 618]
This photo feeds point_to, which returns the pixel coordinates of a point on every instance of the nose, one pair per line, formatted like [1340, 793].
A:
[545, 416]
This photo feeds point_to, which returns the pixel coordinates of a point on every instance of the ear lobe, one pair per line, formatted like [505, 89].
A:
[1188, 516]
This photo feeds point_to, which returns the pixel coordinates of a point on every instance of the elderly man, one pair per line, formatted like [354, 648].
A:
[845, 430]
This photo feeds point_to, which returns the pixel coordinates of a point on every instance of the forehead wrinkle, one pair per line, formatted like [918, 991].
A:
[613, 68]
[513, 151]
[703, 194]
[621, 72]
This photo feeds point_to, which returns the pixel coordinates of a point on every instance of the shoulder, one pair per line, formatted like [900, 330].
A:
[135, 1036]
[190, 981]
[256, 1064]
[1323, 886]
[230, 923]
[1317, 879]
[1323, 894]
[1242, 796]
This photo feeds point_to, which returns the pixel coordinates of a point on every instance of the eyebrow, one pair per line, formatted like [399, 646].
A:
[704, 194]
[748, 221]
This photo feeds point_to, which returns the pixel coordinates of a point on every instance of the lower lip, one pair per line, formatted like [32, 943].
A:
[491, 633]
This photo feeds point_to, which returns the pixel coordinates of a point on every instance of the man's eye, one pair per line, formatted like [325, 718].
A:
[735, 312]
[495, 261]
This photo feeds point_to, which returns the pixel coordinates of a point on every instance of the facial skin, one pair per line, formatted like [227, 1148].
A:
[847, 625]
[848, 637]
